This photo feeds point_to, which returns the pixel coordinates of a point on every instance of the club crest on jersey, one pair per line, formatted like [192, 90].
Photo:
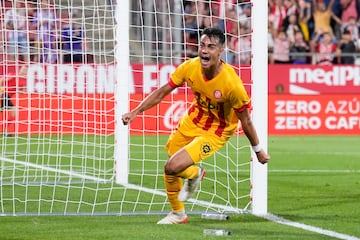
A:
[206, 148]
[217, 94]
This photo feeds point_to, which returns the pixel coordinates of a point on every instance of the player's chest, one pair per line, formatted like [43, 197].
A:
[207, 90]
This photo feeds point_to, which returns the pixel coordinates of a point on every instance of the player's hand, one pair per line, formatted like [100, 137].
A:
[128, 118]
[262, 156]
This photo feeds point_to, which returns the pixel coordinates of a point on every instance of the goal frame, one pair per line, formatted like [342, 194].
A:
[259, 73]
[122, 61]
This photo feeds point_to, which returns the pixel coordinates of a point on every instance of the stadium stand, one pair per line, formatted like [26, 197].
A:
[281, 18]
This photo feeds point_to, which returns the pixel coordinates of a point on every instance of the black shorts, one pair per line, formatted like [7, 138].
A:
[5, 102]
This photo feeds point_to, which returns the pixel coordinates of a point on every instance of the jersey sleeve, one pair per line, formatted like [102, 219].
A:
[239, 98]
[179, 75]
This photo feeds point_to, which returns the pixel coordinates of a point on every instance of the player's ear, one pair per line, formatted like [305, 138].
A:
[222, 48]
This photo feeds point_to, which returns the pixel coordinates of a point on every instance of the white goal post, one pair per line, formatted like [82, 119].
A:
[259, 69]
[66, 151]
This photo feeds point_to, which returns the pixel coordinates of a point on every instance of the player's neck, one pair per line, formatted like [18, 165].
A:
[212, 72]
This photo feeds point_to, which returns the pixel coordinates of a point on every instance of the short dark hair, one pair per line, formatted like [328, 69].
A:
[215, 32]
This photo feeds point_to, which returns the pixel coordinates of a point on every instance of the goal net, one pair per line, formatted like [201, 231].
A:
[70, 70]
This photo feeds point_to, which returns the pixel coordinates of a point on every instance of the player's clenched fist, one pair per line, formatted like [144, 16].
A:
[128, 118]
[263, 157]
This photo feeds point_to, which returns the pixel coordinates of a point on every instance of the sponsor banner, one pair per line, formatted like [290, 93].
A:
[98, 78]
[161, 119]
[314, 79]
[102, 78]
[50, 113]
[88, 114]
[311, 115]
[80, 99]
[94, 114]
[67, 79]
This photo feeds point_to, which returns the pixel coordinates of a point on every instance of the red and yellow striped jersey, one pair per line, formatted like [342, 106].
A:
[216, 100]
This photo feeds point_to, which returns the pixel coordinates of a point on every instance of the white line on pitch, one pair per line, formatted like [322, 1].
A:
[198, 202]
[314, 171]
[50, 169]
[319, 152]
[154, 171]
[310, 228]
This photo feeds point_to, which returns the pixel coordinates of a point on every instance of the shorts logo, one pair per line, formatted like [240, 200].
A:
[206, 148]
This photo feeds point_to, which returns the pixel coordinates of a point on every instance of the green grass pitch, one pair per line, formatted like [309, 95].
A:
[312, 180]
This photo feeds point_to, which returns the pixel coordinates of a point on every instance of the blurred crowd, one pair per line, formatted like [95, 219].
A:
[299, 31]
[34, 31]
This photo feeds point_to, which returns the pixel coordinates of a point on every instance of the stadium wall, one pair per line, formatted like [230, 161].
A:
[303, 99]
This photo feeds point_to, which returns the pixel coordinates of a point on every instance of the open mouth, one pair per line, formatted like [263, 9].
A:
[205, 59]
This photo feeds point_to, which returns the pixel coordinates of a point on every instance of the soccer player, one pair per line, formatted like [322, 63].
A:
[9, 85]
[220, 101]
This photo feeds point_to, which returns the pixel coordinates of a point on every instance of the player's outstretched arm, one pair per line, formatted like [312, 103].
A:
[153, 99]
[251, 134]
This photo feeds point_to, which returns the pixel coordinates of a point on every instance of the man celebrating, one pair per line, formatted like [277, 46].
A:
[220, 101]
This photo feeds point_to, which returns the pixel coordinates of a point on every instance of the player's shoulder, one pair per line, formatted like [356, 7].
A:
[229, 68]
[230, 79]
[189, 65]
[191, 62]
[230, 73]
